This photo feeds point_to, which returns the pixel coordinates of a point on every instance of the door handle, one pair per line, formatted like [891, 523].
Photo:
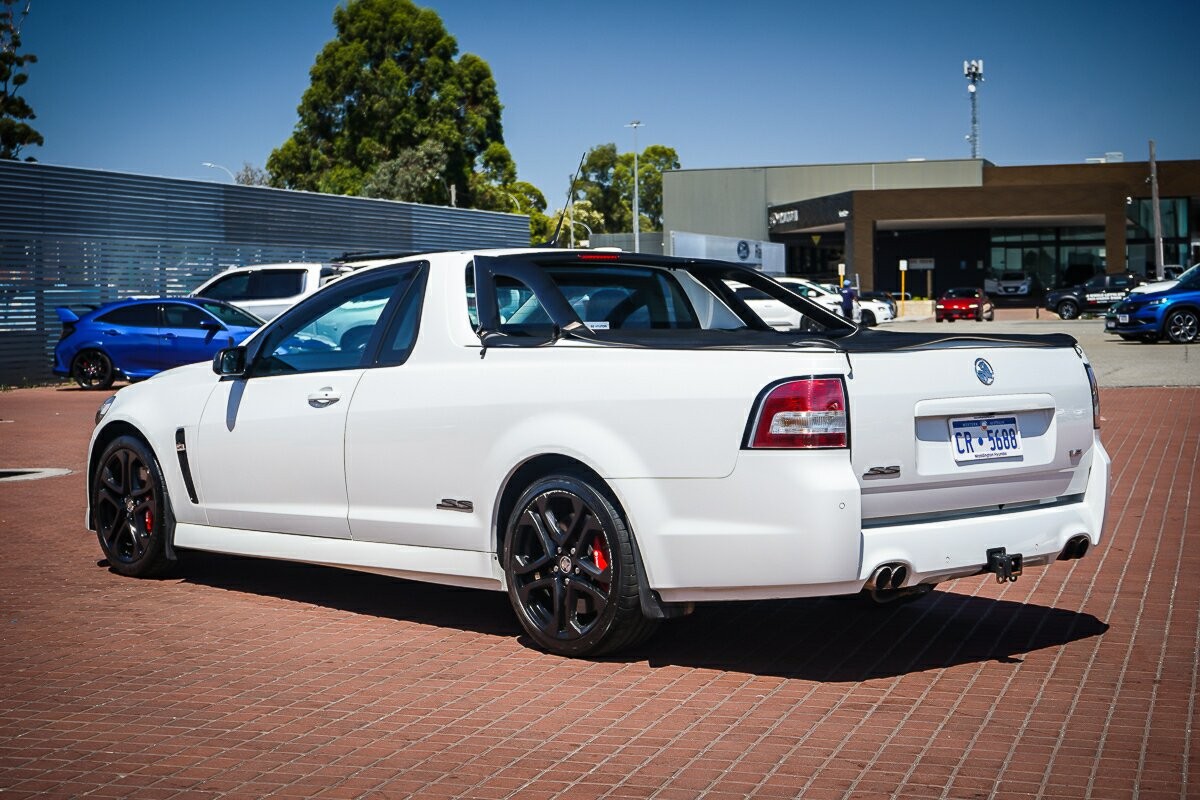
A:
[111, 332]
[170, 336]
[324, 397]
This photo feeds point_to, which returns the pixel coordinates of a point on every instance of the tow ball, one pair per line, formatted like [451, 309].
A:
[1004, 566]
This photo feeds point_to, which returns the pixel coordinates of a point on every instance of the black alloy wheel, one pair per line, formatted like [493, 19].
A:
[93, 369]
[868, 319]
[130, 508]
[1183, 326]
[571, 572]
[1068, 309]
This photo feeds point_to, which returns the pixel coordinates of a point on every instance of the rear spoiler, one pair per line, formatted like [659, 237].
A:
[66, 315]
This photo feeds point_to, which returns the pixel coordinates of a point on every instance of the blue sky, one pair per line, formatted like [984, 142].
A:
[159, 86]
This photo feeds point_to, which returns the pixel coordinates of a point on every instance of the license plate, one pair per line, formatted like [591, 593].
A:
[984, 438]
[1122, 318]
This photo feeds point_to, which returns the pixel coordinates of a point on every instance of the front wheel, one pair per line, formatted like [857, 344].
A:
[1068, 309]
[571, 571]
[130, 508]
[1183, 326]
[868, 319]
[93, 369]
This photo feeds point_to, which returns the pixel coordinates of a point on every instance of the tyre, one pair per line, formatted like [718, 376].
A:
[131, 509]
[1183, 326]
[868, 319]
[1068, 309]
[939, 319]
[93, 369]
[571, 571]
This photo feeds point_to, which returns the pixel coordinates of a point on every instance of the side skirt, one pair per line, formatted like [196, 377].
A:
[467, 568]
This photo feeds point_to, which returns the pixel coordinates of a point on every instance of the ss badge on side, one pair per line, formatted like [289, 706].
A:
[882, 472]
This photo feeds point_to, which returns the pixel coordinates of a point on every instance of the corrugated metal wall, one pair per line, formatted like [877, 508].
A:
[75, 236]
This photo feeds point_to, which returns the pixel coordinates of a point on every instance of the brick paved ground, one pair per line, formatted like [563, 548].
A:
[242, 678]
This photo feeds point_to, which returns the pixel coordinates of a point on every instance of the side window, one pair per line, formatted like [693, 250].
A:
[142, 315]
[1095, 284]
[401, 333]
[333, 334]
[181, 315]
[231, 287]
[1121, 281]
[273, 284]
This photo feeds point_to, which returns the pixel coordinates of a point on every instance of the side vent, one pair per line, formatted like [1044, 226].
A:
[181, 451]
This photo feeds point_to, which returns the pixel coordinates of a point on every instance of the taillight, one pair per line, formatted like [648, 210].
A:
[800, 414]
[1095, 396]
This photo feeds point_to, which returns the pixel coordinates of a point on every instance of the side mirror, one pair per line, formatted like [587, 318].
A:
[211, 325]
[230, 362]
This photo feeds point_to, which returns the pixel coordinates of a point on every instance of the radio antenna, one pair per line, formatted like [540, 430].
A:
[570, 202]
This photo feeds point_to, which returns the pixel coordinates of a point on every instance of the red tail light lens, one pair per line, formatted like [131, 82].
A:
[599, 257]
[803, 413]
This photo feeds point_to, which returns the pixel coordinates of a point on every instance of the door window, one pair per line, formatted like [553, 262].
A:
[338, 331]
[181, 315]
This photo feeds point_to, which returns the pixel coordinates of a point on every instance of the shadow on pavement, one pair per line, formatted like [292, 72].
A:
[819, 639]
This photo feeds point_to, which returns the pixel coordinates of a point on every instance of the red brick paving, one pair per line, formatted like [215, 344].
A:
[244, 678]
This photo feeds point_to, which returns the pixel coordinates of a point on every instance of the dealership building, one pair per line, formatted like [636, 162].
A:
[950, 223]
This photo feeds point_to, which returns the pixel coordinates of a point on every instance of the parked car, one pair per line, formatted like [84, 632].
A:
[1172, 313]
[883, 297]
[964, 303]
[134, 339]
[265, 290]
[1096, 294]
[867, 311]
[1173, 276]
[610, 438]
[1014, 284]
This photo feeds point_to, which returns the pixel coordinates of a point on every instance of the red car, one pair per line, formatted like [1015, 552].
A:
[964, 303]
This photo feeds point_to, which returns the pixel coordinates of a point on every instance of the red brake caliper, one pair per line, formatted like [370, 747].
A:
[149, 521]
[598, 554]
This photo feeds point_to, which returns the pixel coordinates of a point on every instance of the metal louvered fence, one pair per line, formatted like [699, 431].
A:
[71, 237]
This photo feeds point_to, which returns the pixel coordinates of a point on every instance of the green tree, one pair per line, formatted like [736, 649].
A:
[415, 174]
[606, 181]
[388, 83]
[250, 175]
[15, 132]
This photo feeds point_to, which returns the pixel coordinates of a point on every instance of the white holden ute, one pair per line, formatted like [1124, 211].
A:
[608, 437]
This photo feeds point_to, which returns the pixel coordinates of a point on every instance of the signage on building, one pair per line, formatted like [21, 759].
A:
[766, 256]
[785, 217]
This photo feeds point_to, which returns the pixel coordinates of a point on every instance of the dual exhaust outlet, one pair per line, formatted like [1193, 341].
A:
[887, 577]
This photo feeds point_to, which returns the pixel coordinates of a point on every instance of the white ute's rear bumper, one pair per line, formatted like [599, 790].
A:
[781, 526]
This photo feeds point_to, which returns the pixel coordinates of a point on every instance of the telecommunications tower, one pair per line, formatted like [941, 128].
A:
[973, 72]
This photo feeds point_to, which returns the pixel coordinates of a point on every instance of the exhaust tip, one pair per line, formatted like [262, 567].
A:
[1077, 547]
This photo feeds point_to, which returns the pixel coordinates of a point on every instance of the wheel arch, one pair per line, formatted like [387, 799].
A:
[546, 464]
[106, 436]
[1186, 305]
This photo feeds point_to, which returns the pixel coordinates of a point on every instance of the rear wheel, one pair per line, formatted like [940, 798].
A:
[571, 572]
[93, 369]
[130, 508]
[1183, 326]
[1068, 309]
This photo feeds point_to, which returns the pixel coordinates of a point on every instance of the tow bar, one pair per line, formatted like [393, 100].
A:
[1004, 566]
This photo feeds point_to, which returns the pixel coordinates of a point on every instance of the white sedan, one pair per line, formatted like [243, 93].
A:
[610, 438]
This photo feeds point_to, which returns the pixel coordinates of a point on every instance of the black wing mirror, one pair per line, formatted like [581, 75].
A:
[230, 362]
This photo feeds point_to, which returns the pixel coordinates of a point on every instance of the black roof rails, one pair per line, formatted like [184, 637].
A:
[363, 255]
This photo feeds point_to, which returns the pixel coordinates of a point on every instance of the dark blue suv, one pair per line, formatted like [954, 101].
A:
[1173, 313]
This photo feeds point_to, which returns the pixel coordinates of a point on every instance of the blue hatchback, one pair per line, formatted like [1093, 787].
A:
[1173, 314]
[135, 339]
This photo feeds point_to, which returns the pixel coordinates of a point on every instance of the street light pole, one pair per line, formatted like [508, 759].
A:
[637, 220]
[218, 166]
